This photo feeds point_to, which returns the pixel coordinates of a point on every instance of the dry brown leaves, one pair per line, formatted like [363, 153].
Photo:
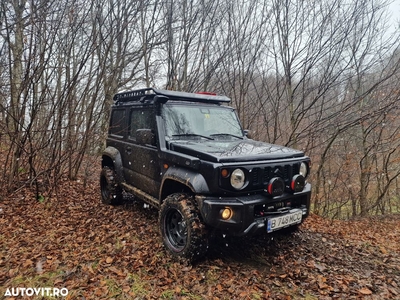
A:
[102, 252]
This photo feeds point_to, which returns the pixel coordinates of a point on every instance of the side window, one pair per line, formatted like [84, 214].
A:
[141, 118]
[117, 124]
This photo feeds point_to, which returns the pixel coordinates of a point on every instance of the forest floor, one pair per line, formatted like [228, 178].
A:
[96, 251]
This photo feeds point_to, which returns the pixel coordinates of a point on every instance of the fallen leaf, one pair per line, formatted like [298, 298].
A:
[91, 270]
[58, 281]
[277, 283]
[126, 288]
[393, 291]
[28, 263]
[320, 267]
[365, 291]
[310, 264]
[109, 260]
[116, 271]
[243, 294]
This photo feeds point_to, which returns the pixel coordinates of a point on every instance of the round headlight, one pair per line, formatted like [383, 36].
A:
[303, 170]
[237, 179]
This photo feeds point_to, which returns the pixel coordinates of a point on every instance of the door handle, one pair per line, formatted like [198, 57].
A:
[128, 149]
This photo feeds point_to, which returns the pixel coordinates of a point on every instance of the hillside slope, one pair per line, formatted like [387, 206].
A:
[100, 252]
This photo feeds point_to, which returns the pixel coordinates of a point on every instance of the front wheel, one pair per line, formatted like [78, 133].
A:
[111, 192]
[182, 231]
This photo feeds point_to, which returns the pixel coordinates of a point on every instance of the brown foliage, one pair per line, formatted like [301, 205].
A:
[103, 252]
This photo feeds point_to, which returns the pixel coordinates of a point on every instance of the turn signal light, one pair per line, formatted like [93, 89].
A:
[224, 173]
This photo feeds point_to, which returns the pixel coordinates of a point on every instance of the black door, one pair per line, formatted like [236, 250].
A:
[142, 168]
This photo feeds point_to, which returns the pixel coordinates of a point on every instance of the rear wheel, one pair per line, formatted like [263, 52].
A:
[111, 192]
[182, 231]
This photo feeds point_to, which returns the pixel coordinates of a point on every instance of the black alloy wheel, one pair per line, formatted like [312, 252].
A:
[176, 229]
[183, 233]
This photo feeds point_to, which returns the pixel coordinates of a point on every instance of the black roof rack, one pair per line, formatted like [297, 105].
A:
[149, 94]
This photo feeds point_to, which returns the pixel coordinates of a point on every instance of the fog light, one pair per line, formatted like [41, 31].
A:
[298, 183]
[226, 213]
[276, 186]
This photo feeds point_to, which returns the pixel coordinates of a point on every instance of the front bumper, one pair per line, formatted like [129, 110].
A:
[251, 212]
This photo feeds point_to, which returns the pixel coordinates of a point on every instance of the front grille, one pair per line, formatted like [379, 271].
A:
[255, 176]
[262, 176]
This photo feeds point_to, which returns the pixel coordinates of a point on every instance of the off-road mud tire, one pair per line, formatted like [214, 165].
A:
[111, 192]
[182, 230]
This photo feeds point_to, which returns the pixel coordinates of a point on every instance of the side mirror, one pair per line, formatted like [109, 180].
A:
[247, 133]
[145, 137]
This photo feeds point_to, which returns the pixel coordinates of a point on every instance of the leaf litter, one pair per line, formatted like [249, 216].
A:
[104, 252]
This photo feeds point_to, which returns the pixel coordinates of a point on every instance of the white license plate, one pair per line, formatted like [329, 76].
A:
[291, 218]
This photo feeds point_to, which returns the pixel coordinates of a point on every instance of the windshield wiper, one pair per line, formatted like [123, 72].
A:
[227, 134]
[192, 134]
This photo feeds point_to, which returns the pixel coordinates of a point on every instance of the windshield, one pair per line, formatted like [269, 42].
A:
[201, 121]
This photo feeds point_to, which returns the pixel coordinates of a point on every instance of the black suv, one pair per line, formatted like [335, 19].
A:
[187, 155]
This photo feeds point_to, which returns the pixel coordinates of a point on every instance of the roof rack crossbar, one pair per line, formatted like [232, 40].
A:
[135, 95]
[147, 93]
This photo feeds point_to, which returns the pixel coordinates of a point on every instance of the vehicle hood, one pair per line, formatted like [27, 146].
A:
[233, 151]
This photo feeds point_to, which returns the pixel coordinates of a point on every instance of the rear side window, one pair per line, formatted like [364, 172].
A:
[117, 125]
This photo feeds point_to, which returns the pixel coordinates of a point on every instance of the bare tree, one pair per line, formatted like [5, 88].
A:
[190, 28]
[321, 51]
[321, 76]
